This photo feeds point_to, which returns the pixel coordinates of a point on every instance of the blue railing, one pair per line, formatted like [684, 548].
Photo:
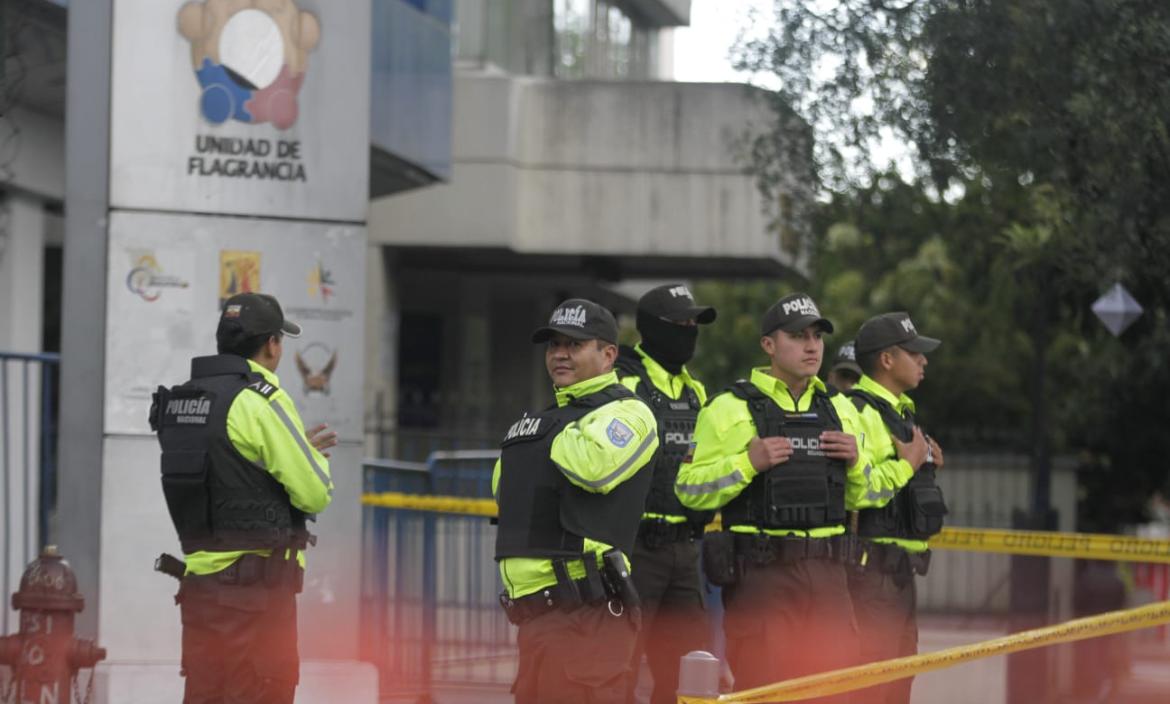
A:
[430, 611]
[28, 460]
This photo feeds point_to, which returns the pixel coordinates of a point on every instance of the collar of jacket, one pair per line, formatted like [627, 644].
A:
[584, 388]
[871, 387]
[268, 376]
[779, 392]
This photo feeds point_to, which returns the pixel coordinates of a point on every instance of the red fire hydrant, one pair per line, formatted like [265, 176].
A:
[44, 657]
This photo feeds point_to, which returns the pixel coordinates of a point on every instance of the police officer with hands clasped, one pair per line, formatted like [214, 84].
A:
[240, 476]
[775, 453]
[892, 356]
[666, 555]
[570, 484]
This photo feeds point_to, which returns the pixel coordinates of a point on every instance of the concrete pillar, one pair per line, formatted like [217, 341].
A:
[160, 230]
[383, 314]
[22, 224]
[22, 254]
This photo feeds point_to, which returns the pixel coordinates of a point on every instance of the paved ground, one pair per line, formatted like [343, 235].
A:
[977, 682]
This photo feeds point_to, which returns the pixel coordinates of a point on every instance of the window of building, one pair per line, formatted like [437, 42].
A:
[601, 39]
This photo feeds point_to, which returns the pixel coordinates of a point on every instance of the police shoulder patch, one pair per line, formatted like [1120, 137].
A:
[263, 388]
[619, 433]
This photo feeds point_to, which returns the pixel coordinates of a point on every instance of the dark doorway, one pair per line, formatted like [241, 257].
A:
[51, 286]
[420, 361]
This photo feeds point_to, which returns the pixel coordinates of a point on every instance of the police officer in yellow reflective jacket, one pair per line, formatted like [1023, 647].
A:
[892, 356]
[570, 486]
[240, 476]
[666, 555]
[780, 456]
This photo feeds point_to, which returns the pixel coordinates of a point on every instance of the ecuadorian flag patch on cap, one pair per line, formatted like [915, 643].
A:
[619, 433]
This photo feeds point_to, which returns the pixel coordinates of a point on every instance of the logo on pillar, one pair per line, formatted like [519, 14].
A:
[250, 57]
[315, 364]
[146, 278]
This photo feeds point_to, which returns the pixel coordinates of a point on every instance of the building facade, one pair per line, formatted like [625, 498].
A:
[422, 210]
[579, 168]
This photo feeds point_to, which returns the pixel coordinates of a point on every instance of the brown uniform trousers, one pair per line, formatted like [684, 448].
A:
[581, 656]
[786, 620]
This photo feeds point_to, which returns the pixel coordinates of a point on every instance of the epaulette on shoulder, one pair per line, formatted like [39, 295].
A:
[264, 388]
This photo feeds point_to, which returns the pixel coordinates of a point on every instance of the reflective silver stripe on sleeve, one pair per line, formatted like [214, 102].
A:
[300, 438]
[712, 486]
[595, 484]
[872, 495]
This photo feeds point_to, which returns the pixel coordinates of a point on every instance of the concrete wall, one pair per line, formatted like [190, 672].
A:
[982, 491]
[615, 168]
[664, 12]
[22, 247]
[38, 165]
[21, 264]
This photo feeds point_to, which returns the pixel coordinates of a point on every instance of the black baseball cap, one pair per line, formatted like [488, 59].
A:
[793, 313]
[846, 359]
[889, 329]
[676, 303]
[580, 319]
[248, 315]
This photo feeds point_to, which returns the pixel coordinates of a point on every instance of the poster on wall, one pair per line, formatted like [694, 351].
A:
[239, 272]
[169, 275]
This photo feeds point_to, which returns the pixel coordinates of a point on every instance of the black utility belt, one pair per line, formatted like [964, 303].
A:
[558, 597]
[762, 549]
[253, 569]
[655, 532]
[610, 586]
[891, 559]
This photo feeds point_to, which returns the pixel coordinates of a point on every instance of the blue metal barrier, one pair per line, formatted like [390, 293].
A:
[429, 593]
[28, 460]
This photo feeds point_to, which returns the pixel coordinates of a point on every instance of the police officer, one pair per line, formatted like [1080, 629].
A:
[666, 555]
[892, 356]
[240, 476]
[779, 455]
[844, 373]
[570, 485]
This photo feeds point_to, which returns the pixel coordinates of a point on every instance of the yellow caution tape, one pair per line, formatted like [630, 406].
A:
[436, 504]
[1090, 546]
[838, 681]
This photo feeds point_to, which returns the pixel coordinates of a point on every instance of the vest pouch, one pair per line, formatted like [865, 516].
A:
[798, 497]
[719, 564]
[239, 515]
[927, 509]
[184, 481]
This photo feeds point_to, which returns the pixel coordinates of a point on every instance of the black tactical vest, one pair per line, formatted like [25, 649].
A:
[807, 491]
[916, 511]
[541, 513]
[676, 430]
[218, 500]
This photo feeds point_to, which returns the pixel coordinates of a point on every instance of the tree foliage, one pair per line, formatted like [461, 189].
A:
[1042, 153]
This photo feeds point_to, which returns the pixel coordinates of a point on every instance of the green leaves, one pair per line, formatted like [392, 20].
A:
[1046, 124]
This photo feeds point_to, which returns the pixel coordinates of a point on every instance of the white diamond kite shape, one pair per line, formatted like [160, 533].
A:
[1117, 309]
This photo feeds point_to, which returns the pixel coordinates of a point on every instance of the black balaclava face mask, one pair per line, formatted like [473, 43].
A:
[670, 344]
